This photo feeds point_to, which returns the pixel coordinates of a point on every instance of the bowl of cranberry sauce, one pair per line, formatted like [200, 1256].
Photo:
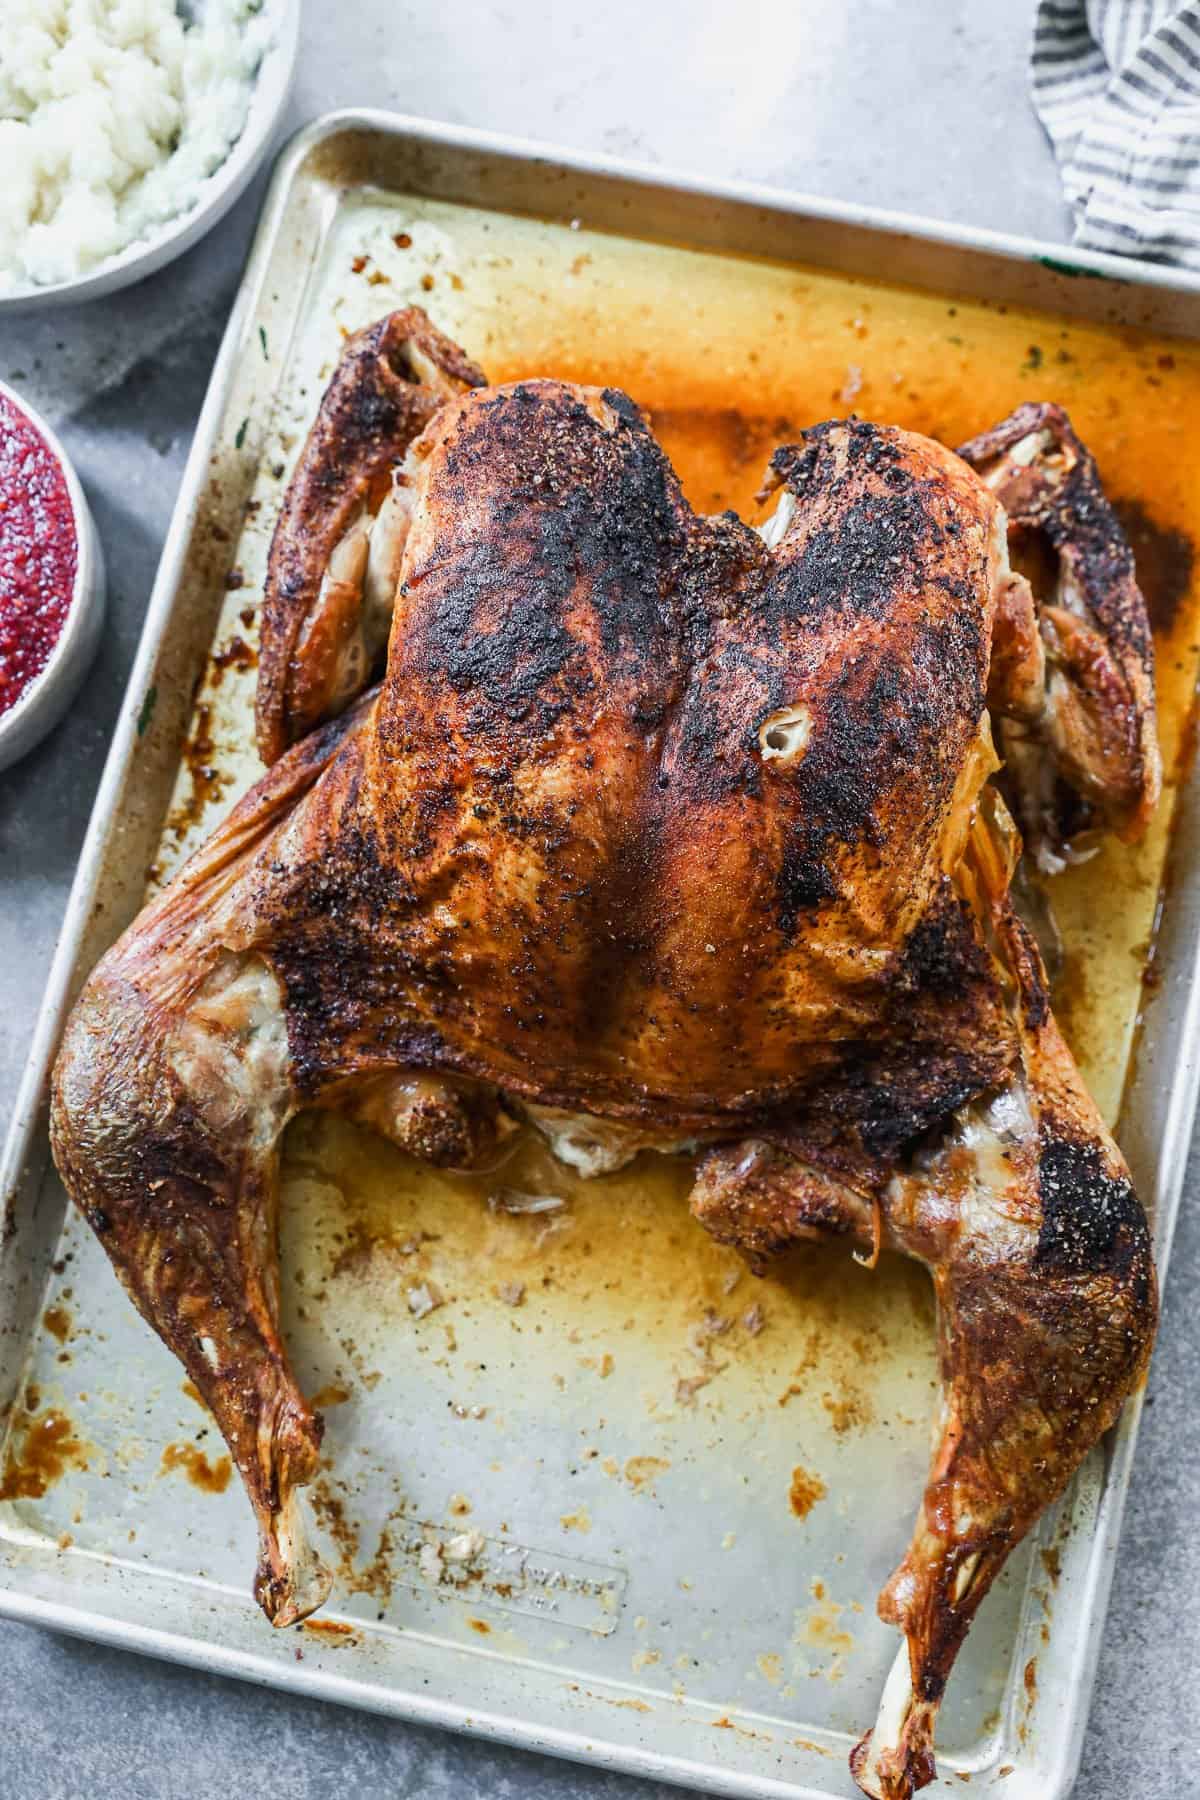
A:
[51, 580]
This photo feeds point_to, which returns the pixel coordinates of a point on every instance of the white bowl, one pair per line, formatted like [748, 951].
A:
[53, 688]
[217, 194]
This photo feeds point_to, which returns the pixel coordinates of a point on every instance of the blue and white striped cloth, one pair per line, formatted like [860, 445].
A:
[1117, 85]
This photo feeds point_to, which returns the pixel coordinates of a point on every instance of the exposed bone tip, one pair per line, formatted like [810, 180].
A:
[883, 1783]
[773, 530]
[292, 1579]
[894, 1758]
[862, 1769]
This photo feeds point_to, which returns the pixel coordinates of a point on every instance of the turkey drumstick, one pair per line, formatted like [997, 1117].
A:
[658, 831]
[1042, 1268]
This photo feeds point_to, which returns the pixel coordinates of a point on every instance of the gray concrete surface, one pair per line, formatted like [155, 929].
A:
[919, 105]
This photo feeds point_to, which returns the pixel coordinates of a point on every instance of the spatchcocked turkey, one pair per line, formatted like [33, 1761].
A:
[659, 831]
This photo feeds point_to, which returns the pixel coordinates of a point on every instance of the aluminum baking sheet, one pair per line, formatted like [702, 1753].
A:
[680, 1489]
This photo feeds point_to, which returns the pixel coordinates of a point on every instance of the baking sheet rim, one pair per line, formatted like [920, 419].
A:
[25, 1154]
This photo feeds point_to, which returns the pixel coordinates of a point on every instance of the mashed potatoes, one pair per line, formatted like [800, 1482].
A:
[112, 113]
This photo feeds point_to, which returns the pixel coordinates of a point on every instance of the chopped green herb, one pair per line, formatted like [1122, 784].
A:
[147, 713]
[1072, 269]
[1033, 359]
[240, 439]
[262, 338]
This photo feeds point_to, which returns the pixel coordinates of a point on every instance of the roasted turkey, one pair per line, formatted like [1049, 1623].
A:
[658, 831]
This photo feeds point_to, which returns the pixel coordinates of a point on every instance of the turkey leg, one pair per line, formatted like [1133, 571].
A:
[1041, 1262]
[172, 1088]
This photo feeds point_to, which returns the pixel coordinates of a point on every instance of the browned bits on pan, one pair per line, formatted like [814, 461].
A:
[804, 1492]
[237, 654]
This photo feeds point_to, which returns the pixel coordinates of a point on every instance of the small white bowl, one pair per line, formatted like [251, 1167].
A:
[217, 194]
[53, 688]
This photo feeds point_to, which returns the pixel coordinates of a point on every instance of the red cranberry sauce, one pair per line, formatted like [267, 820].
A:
[38, 552]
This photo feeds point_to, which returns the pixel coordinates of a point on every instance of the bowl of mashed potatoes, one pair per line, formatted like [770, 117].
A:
[127, 129]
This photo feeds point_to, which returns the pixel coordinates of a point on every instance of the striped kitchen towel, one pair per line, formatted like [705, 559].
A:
[1117, 85]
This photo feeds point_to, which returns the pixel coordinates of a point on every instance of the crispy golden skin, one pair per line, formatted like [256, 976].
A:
[658, 821]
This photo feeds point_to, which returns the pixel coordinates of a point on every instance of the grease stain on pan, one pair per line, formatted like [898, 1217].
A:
[641, 1472]
[1165, 559]
[624, 1260]
[45, 1446]
[57, 1321]
[805, 1490]
[376, 1575]
[820, 1641]
[335, 1633]
[209, 1477]
[334, 1393]
[207, 778]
